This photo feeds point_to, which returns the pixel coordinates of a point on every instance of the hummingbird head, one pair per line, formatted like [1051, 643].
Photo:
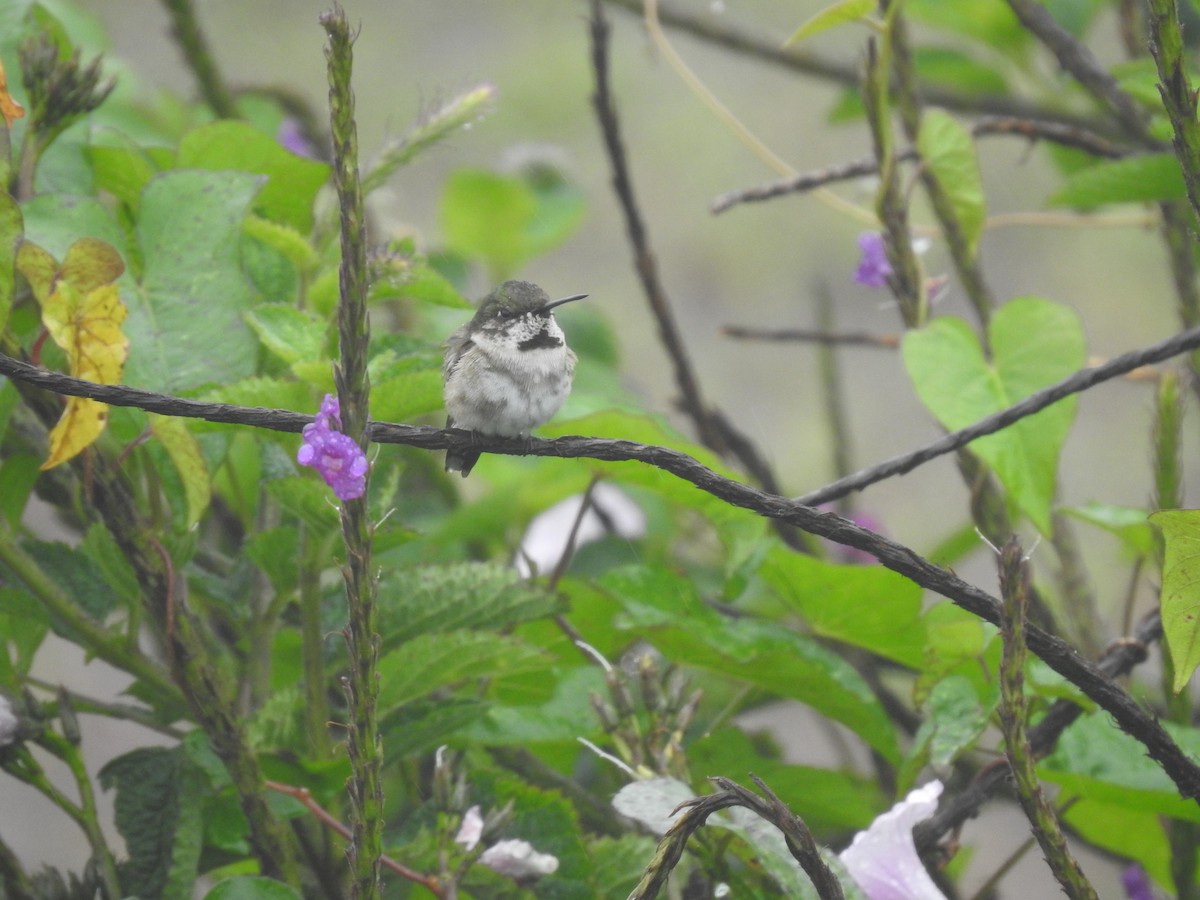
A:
[516, 302]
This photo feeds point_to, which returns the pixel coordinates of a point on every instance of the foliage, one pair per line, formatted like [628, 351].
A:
[578, 706]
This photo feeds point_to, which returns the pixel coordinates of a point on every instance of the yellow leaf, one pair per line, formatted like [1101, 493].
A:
[82, 422]
[9, 108]
[83, 312]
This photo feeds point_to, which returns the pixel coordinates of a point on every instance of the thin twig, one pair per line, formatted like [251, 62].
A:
[329, 820]
[1073, 384]
[813, 336]
[1060, 133]
[187, 32]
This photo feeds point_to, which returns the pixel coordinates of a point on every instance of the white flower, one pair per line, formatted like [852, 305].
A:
[518, 859]
[471, 829]
[8, 722]
[883, 859]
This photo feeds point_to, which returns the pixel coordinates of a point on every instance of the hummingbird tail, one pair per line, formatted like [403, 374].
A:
[461, 461]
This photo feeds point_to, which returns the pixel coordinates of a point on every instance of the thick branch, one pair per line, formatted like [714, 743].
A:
[1059, 655]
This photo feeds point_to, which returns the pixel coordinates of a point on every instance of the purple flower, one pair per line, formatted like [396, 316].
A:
[874, 268]
[883, 860]
[1137, 884]
[291, 136]
[336, 456]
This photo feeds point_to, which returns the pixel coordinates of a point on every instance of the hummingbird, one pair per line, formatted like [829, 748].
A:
[508, 370]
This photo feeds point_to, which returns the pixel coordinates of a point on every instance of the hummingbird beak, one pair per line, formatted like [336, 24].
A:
[545, 310]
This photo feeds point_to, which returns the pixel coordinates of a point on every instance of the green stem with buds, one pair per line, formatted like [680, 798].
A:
[354, 386]
[1014, 588]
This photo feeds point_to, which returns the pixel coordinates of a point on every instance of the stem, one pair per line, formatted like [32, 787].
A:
[965, 263]
[88, 819]
[316, 707]
[1014, 586]
[353, 384]
[185, 27]
[94, 637]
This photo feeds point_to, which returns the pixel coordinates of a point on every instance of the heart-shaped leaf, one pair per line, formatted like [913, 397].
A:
[1034, 343]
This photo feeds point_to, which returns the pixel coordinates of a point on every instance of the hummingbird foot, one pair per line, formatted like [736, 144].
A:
[463, 460]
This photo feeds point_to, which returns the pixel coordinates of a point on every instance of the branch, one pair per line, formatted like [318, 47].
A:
[1059, 655]
[799, 840]
[1118, 660]
[768, 49]
[813, 336]
[187, 32]
[1066, 135]
[330, 821]
[1073, 384]
[714, 429]
[1078, 60]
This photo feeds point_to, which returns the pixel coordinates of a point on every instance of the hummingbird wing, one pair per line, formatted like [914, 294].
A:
[456, 345]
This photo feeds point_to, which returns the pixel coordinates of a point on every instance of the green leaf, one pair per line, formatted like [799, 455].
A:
[284, 240]
[565, 716]
[1034, 344]
[185, 455]
[1181, 590]
[403, 398]
[292, 181]
[54, 222]
[424, 600]
[1096, 759]
[252, 887]
[431, 661]
[120, 166]
[961, 71]
[24, 624]
[956, 720]
[947, 148]
[1150, 178]
[825, 799]
[186, 327]
[18, 473]
[504, 219]
[831, 16]
[1128, 523]
[992, 23]
[159, 793]
[77, 575]
[864, 606]
[664, 609]
[616, 863]
[291, 334]
[12, 229]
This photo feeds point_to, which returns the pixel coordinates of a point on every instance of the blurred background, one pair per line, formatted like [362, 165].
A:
[757, 265]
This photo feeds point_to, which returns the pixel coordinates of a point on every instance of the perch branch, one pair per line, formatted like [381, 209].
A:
[1059, 655]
